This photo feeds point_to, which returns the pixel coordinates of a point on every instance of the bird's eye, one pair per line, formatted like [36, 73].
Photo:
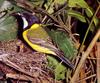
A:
[25, 23]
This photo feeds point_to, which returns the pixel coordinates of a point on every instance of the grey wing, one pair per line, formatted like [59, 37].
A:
[43, 44]
[59, 53]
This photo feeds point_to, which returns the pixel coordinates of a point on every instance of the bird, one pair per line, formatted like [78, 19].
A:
[37, 38]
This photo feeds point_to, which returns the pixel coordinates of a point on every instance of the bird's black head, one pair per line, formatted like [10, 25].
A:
[25, 19]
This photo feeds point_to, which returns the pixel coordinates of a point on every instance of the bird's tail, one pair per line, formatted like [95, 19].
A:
[65, 60]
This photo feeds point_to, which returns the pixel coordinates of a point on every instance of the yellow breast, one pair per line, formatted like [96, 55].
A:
[35, 46]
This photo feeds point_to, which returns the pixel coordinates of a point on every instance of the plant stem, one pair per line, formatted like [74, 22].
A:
[84, 56]
[80, 50]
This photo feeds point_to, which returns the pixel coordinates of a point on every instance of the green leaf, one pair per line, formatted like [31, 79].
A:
[37, 3]
[52, 62]
[8, 30]
[82, 4]
[77, 15]
[96, 21]
[51, 9]
[64, 43]
[60, 72]
[77, 3]
[72, 3]
[8, 26]
[59, 69]
[60, 1]
[49, 6]
[89, 12]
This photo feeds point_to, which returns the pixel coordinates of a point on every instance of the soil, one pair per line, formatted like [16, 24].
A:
[21, 64]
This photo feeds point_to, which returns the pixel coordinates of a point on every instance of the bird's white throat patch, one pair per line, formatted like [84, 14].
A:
[25, 23]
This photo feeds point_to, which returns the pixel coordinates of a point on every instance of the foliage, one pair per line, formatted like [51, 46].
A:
[82, 4]
[8, 26]
[58, 68]
[7, 23]
[64, 43]
[77, 15]
[8, 29]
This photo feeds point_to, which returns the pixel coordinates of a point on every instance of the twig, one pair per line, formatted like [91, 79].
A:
[84, 56]
[13, 65]
[98, 62]
[91, 76]
[80, 50]
[18, 77]
[3, 56]
[82, 75]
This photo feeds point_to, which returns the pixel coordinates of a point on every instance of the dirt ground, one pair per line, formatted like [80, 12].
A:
[20, 63]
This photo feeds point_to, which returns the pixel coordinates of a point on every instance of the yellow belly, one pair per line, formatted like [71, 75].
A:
[37, 47]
